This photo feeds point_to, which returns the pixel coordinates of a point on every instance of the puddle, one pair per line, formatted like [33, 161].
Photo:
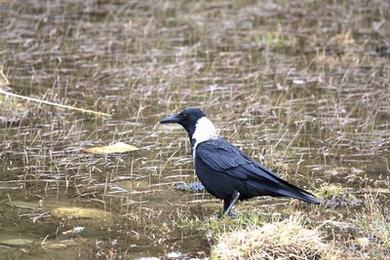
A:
[307, 95]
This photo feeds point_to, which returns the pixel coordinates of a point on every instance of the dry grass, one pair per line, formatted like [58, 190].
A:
[375, 222]
[330, 191]
[302, 86]
[288, 239]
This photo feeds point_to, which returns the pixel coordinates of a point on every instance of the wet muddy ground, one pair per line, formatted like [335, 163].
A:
[302, 86]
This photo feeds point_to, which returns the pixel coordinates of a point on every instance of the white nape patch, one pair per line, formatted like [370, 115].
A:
[204, 130]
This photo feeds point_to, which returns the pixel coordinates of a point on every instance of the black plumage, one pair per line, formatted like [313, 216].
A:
[225, 171]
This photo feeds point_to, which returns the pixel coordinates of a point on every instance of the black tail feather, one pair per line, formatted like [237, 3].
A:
[297, 193]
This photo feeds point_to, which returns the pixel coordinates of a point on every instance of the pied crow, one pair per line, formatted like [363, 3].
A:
[225, 171]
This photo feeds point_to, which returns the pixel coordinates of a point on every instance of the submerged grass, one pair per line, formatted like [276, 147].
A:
[302, 86]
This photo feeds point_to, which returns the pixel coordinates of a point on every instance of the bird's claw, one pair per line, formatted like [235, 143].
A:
[231, 214]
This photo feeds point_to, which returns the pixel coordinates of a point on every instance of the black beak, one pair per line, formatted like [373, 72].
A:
[170, 119]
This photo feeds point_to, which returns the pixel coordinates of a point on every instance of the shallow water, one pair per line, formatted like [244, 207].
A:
[306, 93]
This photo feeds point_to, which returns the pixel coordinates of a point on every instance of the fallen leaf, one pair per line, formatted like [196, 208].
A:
[77, 212]
[16, 242]
[118, 147]
[55, 246]
[60, 244]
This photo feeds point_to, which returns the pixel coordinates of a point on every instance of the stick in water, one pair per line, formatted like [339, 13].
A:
[52, 103]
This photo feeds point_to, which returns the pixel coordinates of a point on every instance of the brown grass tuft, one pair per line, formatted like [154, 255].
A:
[375, 222]
[283, 240]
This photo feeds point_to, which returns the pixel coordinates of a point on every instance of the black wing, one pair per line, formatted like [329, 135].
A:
[220, 155]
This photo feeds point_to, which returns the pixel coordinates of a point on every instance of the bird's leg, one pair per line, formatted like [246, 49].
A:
[228, 205]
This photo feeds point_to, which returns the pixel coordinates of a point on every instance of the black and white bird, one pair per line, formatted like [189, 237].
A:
[225, 171]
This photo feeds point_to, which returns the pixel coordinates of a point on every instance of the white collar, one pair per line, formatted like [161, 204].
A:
[204, 130]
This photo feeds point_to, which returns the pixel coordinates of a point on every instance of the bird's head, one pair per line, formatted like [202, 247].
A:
[188, 118]
[195, 122]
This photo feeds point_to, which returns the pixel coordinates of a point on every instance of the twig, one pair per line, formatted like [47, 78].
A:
[52, 103]
[3, 78]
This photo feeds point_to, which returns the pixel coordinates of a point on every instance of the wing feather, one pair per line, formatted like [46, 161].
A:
[222, 156]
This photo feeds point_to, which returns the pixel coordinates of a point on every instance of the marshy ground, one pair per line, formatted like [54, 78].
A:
[302, 86]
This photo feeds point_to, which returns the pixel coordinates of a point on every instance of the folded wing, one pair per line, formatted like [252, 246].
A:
[221, 156]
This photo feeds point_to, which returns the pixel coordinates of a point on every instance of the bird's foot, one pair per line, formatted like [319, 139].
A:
[234, 214]
[231, 214]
